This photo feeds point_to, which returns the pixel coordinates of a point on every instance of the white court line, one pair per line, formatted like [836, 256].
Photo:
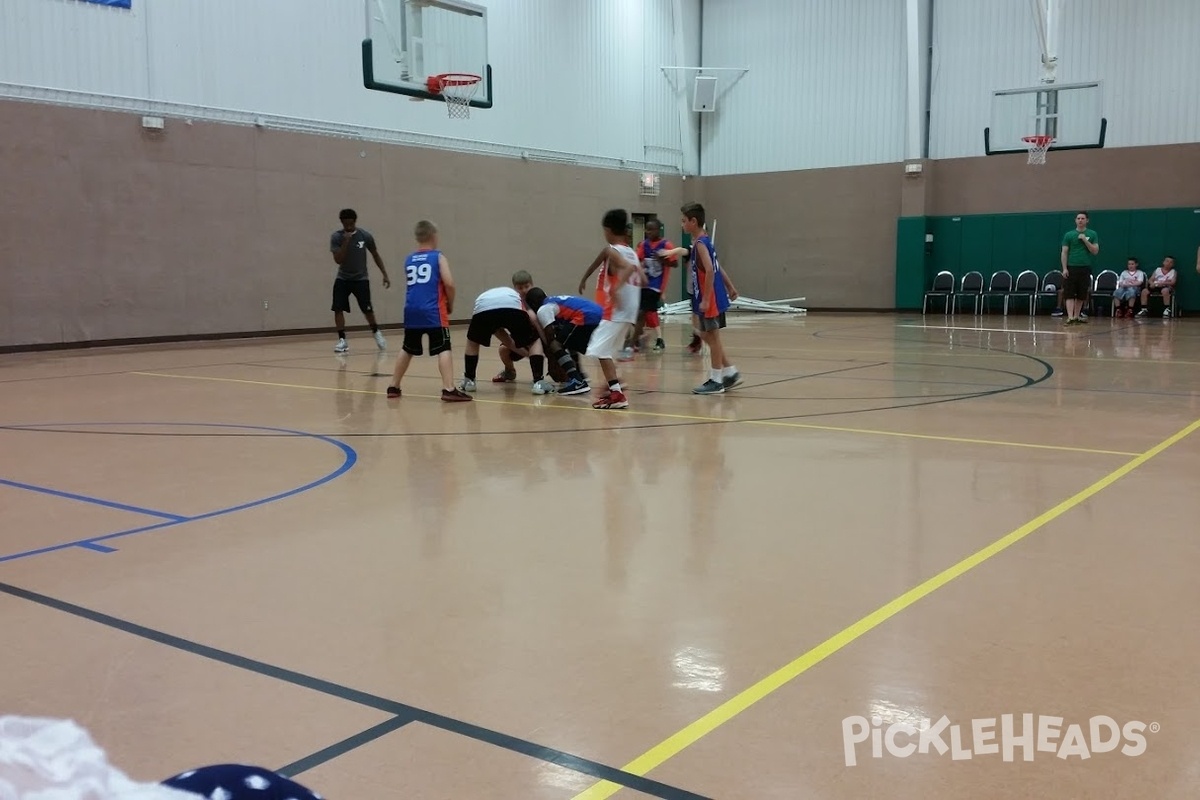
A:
[982, 330]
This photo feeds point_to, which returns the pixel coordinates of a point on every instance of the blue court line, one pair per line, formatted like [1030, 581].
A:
[350, 458]
[99, 548]
[149, 512]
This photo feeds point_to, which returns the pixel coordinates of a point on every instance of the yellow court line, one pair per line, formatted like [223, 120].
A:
[660, 753]
[959, 439]
[666, 415]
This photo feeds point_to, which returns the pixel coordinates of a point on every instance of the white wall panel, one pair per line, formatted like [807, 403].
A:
[571, 76]
[66, 44]
[1144, 51]
[826, 85]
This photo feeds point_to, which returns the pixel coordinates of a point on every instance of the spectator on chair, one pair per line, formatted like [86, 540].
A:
[1163, 282]
[1128, 288]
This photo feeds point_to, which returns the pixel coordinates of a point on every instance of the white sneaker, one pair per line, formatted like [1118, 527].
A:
[1166, 313]
[341, 347]
[467, 385]
[379, 340]
[543, 387]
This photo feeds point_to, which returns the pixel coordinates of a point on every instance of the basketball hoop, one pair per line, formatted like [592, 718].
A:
[1038, 146]
[458, 88]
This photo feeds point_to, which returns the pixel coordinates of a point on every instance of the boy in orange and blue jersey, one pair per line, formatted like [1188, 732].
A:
[568, 323]
[713, 293]
[655, 253]
[427, 306]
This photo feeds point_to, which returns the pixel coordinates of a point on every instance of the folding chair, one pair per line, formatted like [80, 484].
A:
[972, 287]
[943, 287]
[999, 285]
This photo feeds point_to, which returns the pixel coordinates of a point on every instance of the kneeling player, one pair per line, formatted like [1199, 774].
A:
[569, 323]
[500, 312]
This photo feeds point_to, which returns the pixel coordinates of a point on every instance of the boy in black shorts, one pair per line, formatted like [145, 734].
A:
[428, 303]
[501, 312]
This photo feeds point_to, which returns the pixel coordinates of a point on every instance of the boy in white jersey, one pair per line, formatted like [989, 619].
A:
[1129, 284]
[501, 312]
[1163, 282]
[619, 295]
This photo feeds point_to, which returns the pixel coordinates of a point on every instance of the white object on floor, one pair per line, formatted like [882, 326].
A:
[744, 304]
[57, 759]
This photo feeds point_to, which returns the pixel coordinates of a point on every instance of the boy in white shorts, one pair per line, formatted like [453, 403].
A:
[620, 298]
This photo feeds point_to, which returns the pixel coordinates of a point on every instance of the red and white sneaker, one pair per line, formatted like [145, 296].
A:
[612, 400]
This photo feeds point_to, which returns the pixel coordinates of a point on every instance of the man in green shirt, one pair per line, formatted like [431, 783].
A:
[1079, 250]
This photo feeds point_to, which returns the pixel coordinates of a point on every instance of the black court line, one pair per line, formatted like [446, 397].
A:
[403, 712]
[816, 374]
[339, 749]
[742, 387]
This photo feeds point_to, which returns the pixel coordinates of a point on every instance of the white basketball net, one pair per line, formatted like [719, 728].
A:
[458, 91]
[1038, 147]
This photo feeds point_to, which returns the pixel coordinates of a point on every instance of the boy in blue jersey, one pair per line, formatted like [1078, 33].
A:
[427, 306]
[655, 253]
[713, 293]
[567, 324]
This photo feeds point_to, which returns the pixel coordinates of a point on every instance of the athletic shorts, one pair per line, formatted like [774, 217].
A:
[439, 340]
[609, 339]
[650, 300]
[712, 323]
[1078, 283]
[485, 324]
[343, 289]
[573, 338]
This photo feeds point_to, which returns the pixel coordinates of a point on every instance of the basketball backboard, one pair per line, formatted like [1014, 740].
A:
[1072, 113]
[410, 41]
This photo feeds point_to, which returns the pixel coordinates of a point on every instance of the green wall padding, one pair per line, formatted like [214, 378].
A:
[910, 261]
[1016, 242]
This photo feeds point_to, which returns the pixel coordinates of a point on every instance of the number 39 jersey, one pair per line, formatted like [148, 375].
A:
[425, 299]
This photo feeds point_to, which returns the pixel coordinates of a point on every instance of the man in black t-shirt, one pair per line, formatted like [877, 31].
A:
[350, 245]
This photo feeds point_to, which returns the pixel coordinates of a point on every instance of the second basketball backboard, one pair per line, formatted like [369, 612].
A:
[410, 41]
[1071, 113]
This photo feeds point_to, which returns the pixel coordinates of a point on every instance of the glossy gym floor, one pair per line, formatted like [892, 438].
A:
[242, 551]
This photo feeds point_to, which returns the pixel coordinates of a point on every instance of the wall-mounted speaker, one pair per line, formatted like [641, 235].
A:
[704, 93]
